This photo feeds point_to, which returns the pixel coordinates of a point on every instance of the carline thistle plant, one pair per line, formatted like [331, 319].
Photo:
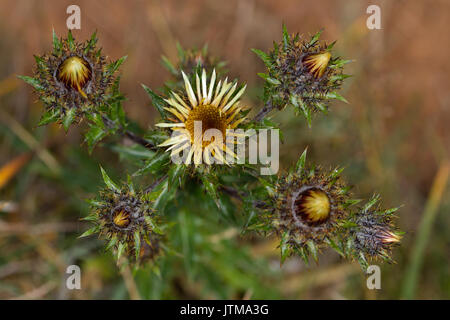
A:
[307, 207]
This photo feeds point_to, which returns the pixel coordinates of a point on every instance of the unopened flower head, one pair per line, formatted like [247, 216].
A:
[303, 73]
[72, 80]
[201, 118]
[375, 234]
[126, 220]
[307, 207]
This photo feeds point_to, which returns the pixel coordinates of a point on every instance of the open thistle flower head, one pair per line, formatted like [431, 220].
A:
[202, 119]
[126, 220]
[308, 205]
[303, 73]
[374, 233]
[72, 80]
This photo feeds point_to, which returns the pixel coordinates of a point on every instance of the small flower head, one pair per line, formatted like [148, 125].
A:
[72, 80]
[373, 232]
[192, 61]
[211, 108]
[308, 206]
[126, 220]
[302, 73]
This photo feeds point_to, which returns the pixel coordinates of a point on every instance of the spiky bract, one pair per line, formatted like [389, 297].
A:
[72, 80]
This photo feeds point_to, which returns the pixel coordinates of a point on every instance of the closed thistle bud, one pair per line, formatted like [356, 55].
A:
[72, 80]
[126, 220]
[374, 233]
[192, 61]
[302, 73]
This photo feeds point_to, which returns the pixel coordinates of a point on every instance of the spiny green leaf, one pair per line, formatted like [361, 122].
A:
[286, 38]
[338, 63]
[269, 79]
[375, 198]
[335, 95]
[301, 161]
[33, 82]
[339, 77]
[137, 244]
[70, 40]
[169, 66]
[49, 116]
[263, 56]
[322, 107]
[335, 246]
[175, 173]
[157, 101]
[313, 249]
[109, 183]
[89, 232]
[363, 261]
[113, 66]
[315, 38]
[154, 227]
[57, 45]
[330, 46]
[69, 117]
[120, 250]
[154, 164]
[284, 247]
[93, 136]
[111, 243]
[91, 43]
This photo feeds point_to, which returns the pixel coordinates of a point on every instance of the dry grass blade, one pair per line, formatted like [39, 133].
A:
[10, 169]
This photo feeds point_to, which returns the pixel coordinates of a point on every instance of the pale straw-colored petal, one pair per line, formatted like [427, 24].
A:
[189, 91]
[211, 86]
[225, 100]
[181, 101]
[224, 90]
[205, 94]
[176, 113]
[178, 106]
[237, 96]
[189, 156]
[173, 140]
[199, 92]
[237, 122]
[168, 125]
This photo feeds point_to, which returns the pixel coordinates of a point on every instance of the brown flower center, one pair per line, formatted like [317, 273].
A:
[210, 118]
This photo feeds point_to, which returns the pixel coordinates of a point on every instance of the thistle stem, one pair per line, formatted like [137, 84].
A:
[155, 184]
[264, 111]
[242, 194]
[126, 133]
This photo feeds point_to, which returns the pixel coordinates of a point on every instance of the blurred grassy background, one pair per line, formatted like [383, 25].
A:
[393, 138]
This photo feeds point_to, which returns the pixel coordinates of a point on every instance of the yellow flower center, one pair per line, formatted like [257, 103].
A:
[75, 73]
[121, 218]
[317, 63]
[313, 206]
[210, 118]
